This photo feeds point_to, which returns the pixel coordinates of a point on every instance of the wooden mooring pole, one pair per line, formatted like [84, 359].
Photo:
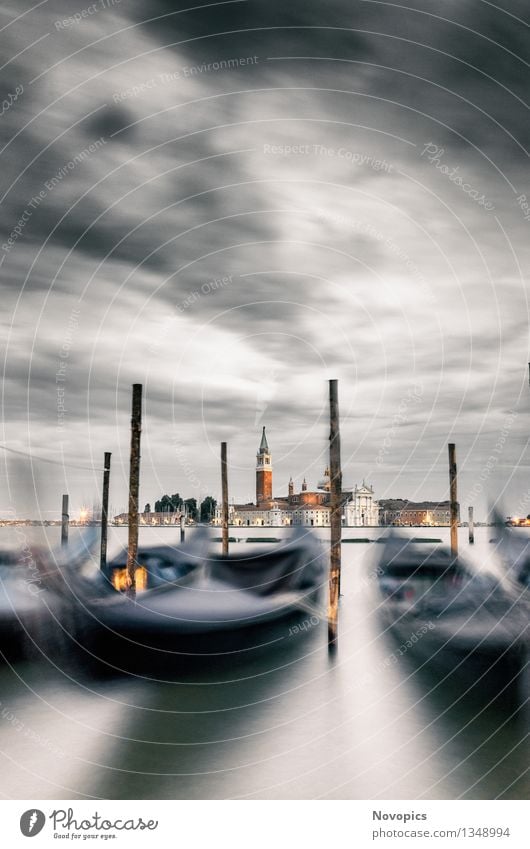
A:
[105, 511]
[182, 527]
[471, 526]
[454, 501]
[224, 495]
[65, 519]
[335, 474]
[134, 489]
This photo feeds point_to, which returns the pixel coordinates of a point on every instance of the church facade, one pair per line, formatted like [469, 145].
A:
[310, 508]
[362, 510]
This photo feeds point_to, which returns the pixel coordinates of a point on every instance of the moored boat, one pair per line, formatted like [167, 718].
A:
[453, 620]
[203, 604]
[28, 608]
[513, 547]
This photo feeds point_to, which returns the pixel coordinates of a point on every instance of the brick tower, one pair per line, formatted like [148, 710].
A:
[263, 473]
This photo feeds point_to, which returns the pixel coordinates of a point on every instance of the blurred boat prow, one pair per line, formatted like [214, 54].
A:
[513, 548]
[451, 619]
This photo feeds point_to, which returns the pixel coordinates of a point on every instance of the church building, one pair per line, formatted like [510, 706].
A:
[306, 507]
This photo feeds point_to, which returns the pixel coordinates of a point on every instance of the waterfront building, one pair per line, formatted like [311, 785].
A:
[150, 518]
[361, 510]
[307, 507]
[402, 512]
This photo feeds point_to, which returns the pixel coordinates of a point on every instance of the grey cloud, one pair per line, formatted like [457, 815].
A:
[384, 286]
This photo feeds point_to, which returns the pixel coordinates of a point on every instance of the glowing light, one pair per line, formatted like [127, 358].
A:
[119, 579]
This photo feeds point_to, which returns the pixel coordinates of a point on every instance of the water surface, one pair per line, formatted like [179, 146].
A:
[287, 722]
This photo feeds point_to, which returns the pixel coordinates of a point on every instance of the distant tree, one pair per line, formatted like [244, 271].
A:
[165, 505]
[191, 508]
[147, 508]
[177, 502]
[169, 504]
[208, 509]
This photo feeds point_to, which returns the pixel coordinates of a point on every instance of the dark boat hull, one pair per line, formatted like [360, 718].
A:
[111, 653]
[461, 627]
[484, 663]
[223, 607]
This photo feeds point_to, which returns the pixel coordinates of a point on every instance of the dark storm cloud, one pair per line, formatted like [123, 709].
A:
[110, 121]
[472, 49]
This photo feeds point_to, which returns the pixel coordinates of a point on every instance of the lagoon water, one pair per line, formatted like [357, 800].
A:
[288, 722]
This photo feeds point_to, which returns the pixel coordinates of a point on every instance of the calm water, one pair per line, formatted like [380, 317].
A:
[291, 723]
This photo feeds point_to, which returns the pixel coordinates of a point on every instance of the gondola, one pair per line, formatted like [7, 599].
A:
[195, 603]
[18, 606]
[454, 621]
[36, 590]
[27, 606]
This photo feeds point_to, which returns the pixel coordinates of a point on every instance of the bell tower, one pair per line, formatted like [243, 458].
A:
[263, 472]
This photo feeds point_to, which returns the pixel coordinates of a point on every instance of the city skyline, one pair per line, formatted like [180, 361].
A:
[310, 475]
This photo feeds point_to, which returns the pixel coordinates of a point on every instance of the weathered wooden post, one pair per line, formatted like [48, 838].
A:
[105, 511]
[224, 495]
[453, 497]
[335, 474]
[182, 526]
[65, 519]
[134, 489]
[471, 526]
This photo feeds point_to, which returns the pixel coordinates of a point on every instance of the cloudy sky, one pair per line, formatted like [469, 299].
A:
[232, 204]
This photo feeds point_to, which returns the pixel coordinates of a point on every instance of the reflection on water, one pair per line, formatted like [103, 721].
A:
[283, 722]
